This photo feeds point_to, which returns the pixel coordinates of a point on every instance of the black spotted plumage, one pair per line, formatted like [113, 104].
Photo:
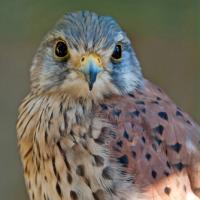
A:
[159, 146]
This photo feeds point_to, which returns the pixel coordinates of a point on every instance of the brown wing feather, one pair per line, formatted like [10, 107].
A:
[156, 142]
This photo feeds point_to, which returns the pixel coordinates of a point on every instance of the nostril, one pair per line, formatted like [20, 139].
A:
[99, 60]
[83, 59]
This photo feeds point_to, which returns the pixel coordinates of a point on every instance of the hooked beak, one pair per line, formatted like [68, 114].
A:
[91, 65]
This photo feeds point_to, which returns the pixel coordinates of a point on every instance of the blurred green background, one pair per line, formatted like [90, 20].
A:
[165, 34]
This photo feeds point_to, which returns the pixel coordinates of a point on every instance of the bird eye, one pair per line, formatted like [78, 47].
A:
[61, 50]
[117, 53]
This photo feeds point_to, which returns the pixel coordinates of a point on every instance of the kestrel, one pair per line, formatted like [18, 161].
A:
[93, 128]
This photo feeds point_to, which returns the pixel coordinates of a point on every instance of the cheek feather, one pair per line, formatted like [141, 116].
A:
[75, 85]
[104, 86]
[75, 88]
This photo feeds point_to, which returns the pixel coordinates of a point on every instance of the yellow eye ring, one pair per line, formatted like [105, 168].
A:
[117, 53]
[61, 51]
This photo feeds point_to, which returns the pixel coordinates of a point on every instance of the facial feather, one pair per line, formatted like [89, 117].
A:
[85, 33]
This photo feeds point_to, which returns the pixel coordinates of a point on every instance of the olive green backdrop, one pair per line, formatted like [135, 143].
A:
[165, 34]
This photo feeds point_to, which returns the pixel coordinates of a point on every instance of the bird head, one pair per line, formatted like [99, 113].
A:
[85, 55]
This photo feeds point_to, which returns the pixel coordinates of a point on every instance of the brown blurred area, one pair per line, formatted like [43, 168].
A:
[165, 35]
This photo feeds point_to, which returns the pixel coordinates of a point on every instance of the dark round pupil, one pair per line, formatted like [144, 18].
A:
[61, 49]
[117, 53]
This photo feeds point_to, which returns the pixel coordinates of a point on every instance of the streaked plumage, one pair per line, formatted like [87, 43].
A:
[92, 128]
